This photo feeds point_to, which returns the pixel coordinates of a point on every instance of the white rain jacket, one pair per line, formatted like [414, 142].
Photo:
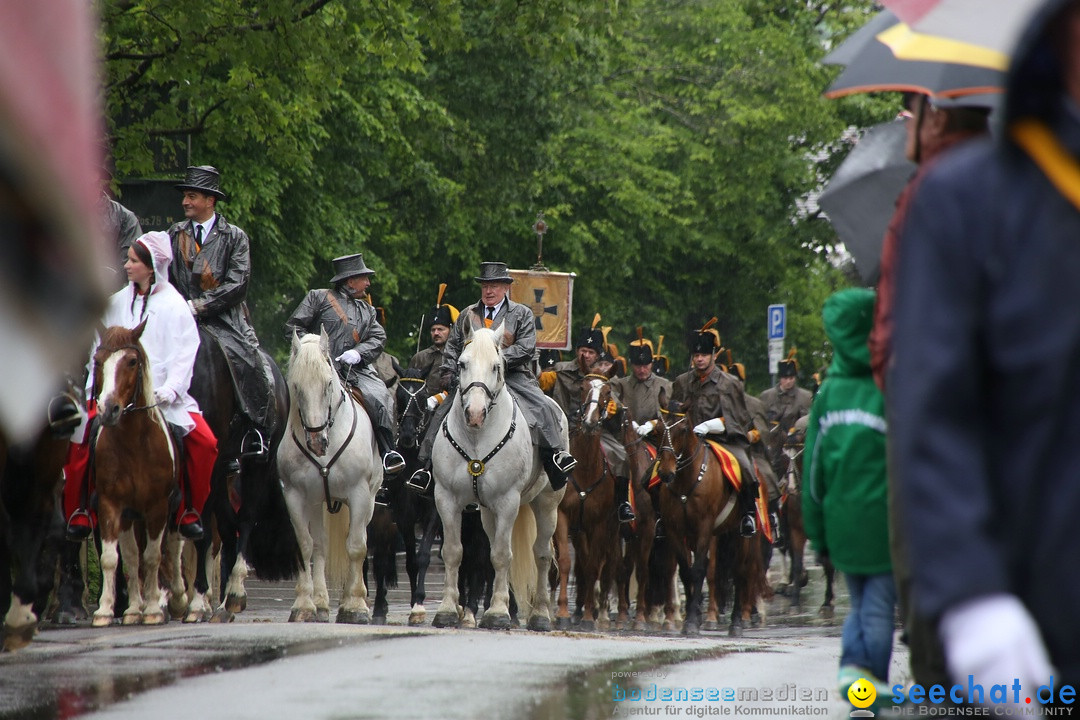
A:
[170, 339]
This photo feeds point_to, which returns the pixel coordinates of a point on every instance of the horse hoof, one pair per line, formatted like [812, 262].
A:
[710, 626]
[690, 629]
[322, 615]
[236, 603]
[735, 630]
[562, 623]
[302, 615]
[156, 618]
[587, 626]
[540, 623]
[444, 619]
[103, 620]
[132, 618]
[490, 621]
[220, 615]
[378, 619]
[418, 616]
[353, 617]
[177, 607]
[827, 612]
[18, 638]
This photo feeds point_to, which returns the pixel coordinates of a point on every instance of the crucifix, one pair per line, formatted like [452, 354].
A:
[539, 227]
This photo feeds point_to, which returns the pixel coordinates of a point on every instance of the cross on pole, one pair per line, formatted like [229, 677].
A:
[539, 227]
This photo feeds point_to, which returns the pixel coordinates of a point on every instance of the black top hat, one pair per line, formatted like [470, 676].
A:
[493, 272]
[640, 352]
[705, 340]
[549, 357]
[444, 315]
[787, 368]
[203, 178]
[348, 266]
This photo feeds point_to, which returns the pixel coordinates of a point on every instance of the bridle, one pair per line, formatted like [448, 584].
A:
[681, 463]
[137, 391]
[593, 400]
[413, 403]
[332, 506]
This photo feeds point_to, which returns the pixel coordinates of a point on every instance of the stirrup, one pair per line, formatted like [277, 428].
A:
[382, 496]
[254, 445]
[190, 525]
[393, 463]
[626, 513]
[564, 461]
[64, 415]
[80, 526]
[747, 527]
[419, 481]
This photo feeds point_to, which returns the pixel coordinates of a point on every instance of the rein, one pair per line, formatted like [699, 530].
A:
[332, 506]
[476, 467]
[681, 464]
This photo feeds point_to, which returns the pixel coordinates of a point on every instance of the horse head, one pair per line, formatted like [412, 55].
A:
[676, 439]
[594, 401]
[314, 388]
[413, 414]
[122, 379]
[482, 373]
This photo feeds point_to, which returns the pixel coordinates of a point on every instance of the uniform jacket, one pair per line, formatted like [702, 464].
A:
[567, 388]
[784, 408]
[642, 399]
[316, 312]
[718, 395]
[845, 495]
[429, 361]
[518, 323]
[984, 401]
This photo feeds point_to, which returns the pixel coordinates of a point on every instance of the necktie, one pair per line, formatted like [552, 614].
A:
[198, 237]
[490, 317]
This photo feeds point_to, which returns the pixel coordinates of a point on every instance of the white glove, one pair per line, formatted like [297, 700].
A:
[191, 307]
[710, 427]
[349, 357]
[164, 395]
[645, 428]
[995, 639]
[432, 403]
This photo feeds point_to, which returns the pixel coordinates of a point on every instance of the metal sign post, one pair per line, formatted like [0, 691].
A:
[776, 324]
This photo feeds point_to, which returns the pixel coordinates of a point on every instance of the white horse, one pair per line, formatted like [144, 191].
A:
[327, 458]
[484, 454]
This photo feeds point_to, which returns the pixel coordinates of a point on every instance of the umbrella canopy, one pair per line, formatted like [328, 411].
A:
[994, 24]
[872, 65]
[860, 198]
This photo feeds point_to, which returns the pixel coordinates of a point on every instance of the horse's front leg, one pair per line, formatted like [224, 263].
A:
[129, 553]
[174, 553]
[303, 609]
[353, 608]
[450, 512]
[153, 613]
[712, 612]
[546, 511]
[417, 613]
[694, 588]
[499, 525]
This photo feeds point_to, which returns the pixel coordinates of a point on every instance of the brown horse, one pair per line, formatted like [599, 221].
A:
[137, 474]
[791, 520]
[587, 510]
[699, 505]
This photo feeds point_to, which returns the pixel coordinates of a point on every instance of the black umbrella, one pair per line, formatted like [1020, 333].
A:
[871, 66]
[861, 196]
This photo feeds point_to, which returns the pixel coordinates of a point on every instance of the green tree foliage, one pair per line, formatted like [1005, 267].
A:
[671, 144]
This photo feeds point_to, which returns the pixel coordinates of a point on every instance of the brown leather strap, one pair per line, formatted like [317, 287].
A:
[341, 313]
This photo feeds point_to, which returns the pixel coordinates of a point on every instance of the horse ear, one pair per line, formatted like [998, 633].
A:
[324, 340]
[662, 398]
[137, 332]
[295, 343]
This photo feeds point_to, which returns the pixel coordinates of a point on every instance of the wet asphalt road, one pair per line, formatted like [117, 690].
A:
[139, 671]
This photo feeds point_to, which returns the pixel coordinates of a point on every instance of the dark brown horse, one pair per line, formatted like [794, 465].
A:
[699, 505]
[246, 507]
[586, 514]
[137, 471]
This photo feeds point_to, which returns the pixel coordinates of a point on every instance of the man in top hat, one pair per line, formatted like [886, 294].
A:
[639, 392]
[212, 268]
[517, 321]
[787, 402]
[356, 341]
[716, 404]
[429, 360]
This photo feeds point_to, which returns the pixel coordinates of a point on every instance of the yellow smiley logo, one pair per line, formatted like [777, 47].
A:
[862, 693]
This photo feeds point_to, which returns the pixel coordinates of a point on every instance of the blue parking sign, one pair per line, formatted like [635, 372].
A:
[776, 321]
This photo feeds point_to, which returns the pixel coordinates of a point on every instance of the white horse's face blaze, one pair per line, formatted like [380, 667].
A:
[313, 385]
[481, 372]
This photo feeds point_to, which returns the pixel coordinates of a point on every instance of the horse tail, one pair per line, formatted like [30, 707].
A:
[523, 564]
[337, 559]
[750, 569]
[272, 549]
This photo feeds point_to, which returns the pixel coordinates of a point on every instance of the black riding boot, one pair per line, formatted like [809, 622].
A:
[557, 464]
[622, 496]
[779, 541]
[392, 461]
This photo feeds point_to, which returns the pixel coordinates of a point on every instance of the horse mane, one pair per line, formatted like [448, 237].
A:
[308, 362]
[489, 344]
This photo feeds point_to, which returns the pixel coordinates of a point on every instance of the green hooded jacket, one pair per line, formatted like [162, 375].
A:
[845, 506]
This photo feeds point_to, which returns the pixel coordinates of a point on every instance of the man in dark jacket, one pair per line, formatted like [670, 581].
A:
[983, 405]
[212, 269]
[356, 342]
[519, 323]
[429, 360]
[786, 402]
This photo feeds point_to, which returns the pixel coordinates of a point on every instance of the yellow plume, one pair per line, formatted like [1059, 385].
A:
[442, 290]
[640, 333]
[706, 326]
[659, 344]
[595, 320]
